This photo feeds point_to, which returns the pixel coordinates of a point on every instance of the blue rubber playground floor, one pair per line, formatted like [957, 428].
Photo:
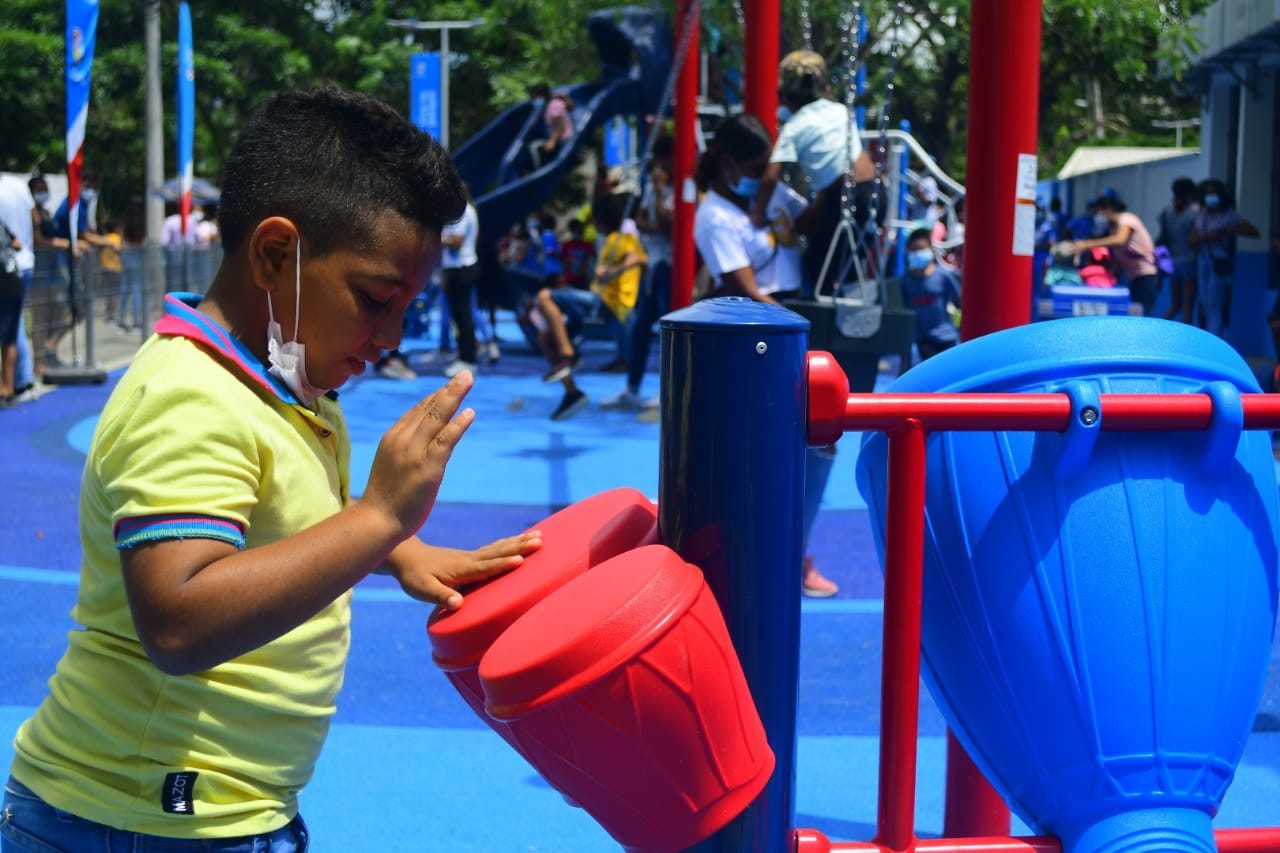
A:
[408, 767]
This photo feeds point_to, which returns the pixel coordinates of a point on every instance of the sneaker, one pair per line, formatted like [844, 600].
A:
[455, 367]
[559, 370]
[394, 368]
[26, 394]
[492, 354]
[625, 399]
[573, 402]
[618, 365]
[813, 584]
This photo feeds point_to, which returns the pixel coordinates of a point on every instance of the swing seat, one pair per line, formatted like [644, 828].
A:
[858, 342]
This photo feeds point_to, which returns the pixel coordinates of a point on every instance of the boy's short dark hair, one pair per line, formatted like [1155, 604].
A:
[333, 162]
[1184, 188]
[577, 226]
[920, 234]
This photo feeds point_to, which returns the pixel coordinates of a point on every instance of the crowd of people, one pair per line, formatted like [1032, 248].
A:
[1192, 252]
[47, 278]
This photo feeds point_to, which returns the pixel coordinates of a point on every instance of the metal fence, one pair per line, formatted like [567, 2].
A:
[98, 308]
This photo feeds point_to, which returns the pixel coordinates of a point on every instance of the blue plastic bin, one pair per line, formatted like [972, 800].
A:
[1078, 300]
[1098, 606]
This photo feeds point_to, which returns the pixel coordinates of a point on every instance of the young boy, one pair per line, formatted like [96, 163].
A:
[612, 295]
[927, 288]
[577, 256]
[220, 539]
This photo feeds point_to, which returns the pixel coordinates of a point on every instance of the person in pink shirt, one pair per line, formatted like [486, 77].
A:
[1135, 251]
[558, 121]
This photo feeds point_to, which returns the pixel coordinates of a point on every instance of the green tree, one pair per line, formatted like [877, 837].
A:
[1117, 57]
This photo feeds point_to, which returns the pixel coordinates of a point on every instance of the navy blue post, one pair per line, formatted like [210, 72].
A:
[730, 500]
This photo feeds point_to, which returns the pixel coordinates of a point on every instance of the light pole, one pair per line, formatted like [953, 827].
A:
[1178, 125]
[414, 25]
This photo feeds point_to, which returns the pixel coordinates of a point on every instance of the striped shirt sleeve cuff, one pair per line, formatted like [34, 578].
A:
[157, 528]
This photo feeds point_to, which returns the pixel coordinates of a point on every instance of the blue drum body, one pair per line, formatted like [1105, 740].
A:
[1098, 606]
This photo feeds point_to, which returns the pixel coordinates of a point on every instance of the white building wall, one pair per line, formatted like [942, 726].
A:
[1252, 295]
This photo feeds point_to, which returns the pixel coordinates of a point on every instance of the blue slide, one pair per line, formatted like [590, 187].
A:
[635, 50]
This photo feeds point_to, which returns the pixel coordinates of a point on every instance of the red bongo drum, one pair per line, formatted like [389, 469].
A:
[624, 690]
[574, 539]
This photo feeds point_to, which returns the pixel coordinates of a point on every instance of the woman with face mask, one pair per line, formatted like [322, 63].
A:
[1214, 238]
[738, 255]
[743, 260]
[1135, 251]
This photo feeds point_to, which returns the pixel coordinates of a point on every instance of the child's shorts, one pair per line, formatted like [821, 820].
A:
[10, 313]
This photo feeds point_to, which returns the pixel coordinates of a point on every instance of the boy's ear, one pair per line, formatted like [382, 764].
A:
[272, 249]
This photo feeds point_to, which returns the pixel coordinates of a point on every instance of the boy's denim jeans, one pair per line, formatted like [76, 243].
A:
[28, 823]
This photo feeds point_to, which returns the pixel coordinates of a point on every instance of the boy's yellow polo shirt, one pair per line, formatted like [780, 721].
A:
[197, 440]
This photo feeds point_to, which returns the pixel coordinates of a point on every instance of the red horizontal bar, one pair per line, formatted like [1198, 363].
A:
[1259, 840]
[1124, 412]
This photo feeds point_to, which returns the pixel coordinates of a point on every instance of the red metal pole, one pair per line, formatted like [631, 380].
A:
[1261, 840]
[900, 666]
[1004, 89]
[684, 157]
[761, 26]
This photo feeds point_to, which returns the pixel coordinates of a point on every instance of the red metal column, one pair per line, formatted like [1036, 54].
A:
[761, 30]
[684, 157]
[900, 661]
[1004, 89]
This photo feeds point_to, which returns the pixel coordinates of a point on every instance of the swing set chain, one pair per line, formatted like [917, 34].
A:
[664, 101]
[890, 83]
[851, 45]
[806, 25]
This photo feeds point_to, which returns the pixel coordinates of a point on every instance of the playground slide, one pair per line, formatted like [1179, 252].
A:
[633, 45]
[518, 194]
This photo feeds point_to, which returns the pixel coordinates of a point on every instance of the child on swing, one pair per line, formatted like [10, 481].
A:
[821, 138]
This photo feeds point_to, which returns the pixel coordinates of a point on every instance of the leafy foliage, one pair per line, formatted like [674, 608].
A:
[1119, 58]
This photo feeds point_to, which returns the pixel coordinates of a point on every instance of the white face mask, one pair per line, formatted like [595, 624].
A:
[289, 360]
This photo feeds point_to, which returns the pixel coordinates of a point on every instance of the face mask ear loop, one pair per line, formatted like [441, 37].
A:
[297, 288]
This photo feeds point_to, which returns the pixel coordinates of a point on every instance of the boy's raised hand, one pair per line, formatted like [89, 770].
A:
[411, 458]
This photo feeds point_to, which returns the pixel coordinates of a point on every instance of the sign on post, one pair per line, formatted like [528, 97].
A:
[424, 92]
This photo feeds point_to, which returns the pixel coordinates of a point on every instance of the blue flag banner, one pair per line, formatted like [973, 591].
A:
[82, 26]
[617, 142]
[424, 92]
[186, 112]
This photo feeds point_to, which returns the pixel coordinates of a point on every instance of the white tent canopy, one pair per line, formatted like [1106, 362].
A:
[1089, 159]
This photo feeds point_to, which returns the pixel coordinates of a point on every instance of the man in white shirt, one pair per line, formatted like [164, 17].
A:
[17, 212]
[461, 265]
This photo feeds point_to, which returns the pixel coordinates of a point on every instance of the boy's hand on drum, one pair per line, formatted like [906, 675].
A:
[409, 464]
[434, 574]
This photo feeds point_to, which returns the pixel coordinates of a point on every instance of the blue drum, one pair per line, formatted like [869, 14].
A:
[1098, 606]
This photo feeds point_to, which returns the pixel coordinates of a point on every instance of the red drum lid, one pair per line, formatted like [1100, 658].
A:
[587, 629]
[574, 539]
